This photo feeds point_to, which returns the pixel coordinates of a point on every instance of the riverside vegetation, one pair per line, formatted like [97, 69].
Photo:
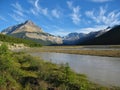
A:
[20, 71]
[77, 50]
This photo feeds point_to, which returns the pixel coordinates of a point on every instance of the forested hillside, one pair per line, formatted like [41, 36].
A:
[10, 39]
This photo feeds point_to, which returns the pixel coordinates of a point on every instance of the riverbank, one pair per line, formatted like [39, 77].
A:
[101, 70]
[20, 71]
[79, 50]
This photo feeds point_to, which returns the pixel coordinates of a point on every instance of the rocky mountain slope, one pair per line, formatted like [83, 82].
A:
[112, 37]
[31, 31]
[79, 38]
[73, 38]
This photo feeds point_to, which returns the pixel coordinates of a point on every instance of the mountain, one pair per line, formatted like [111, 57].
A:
[29, 30]
[79, 38]
[111, 37]
[92, 35]
[27, 26]
[72, 38]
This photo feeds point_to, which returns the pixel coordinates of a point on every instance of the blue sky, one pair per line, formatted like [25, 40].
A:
[60, 17]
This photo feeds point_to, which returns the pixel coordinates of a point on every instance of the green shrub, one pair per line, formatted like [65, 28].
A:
[2, 80]
[4, 49]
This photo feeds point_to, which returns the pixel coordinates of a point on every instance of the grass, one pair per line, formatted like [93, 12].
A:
[77, 50]
[20, 71]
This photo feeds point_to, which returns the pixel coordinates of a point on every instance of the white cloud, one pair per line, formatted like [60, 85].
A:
[17, 6]
[60, 32]
[101, 1]
[37, 9]
[56, 30]
[36, 4]
[75, 15]
[56, 13]
[44, 11]
[17, 18]
[33, 12]
[18, 13]
[70, 4]
[91, 29]
[101, 16]
[2, 18]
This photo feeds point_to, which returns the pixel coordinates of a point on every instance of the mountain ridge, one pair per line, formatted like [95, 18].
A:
[77, 38]
[28, 30]
[111, 37]
[31, 31]
[108, 36]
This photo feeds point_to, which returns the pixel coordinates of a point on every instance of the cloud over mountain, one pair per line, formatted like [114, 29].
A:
[68, 15]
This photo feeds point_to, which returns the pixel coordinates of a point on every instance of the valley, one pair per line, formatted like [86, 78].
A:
[37, 70]
[98, 50]
[99, 63]
[83, 59]
[59, 45]
[101, 70]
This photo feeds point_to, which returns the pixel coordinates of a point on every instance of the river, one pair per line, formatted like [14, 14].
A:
[101, 70]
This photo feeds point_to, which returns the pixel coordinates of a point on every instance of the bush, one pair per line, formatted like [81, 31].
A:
[4, 49]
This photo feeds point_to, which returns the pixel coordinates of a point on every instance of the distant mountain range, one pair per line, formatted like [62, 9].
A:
[111, 37]
[28, 30]
[80, 38]
[73, 38]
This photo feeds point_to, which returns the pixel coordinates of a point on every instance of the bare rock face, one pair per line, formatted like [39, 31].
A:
[43, 37]
[29, 30]
[28, 26]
